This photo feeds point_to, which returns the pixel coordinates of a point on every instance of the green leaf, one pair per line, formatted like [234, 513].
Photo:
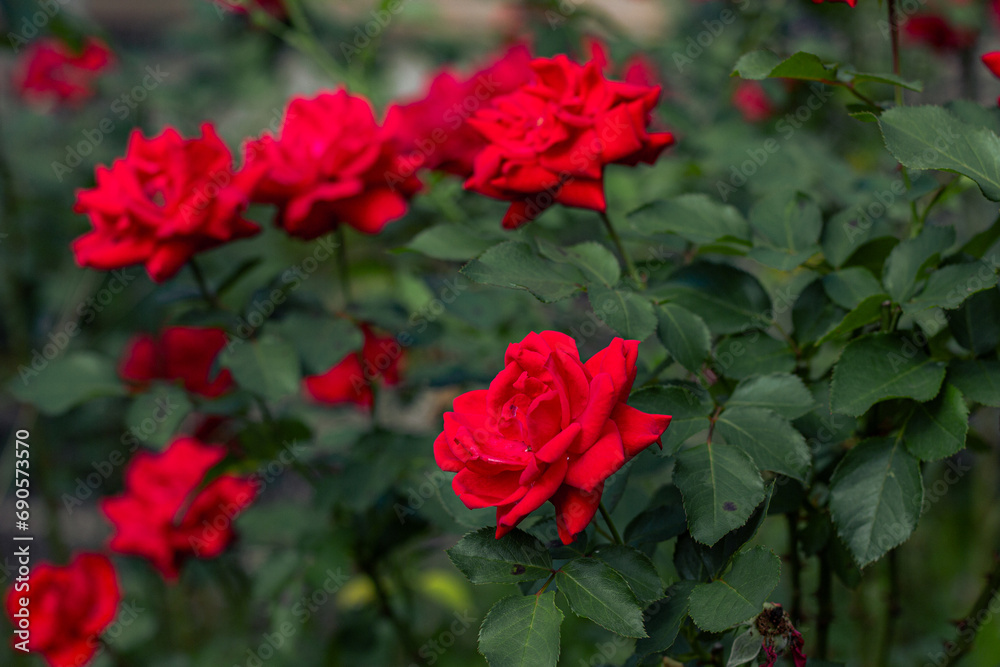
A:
[757, 64]
[689, 410]
[522, 631]
[739, 594]
[980, 244]
[514, 265]
[977, 379]
[784, 393]
[882, 366]
[155, 415]
[976, 325]
[684, 334]
[770, 440]
[66, 382]
[694, 217]
[322, 342]
[516, 556]
[905, 261]
[664, 619]
[753, 353]
[875, 497]
[937, 428]
[746, 647]
[848, 230]
[764, 64]
[949, 286]
[626, 312]
[597, 263]
[849, 287]
[728, 299]
[266, 366]
[449, 242]
[891, 79]
[635, 568]
[721, 487]
[597, 592]
[791, 223]
[865, 313]
[928, 137]
[814, 313]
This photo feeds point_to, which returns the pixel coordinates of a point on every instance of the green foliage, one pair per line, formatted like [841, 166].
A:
[486, 560]
[597, 591]
[522, 631]
[739, 594]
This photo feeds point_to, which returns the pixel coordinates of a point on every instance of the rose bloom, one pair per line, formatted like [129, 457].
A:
[70, 606]
[751, 100]
[350, 380]
[638, 70]
[432, 131]
[275, 8]
[992, 62]
[165, 517]
[331, 164]
[549, 141]
[549, 428]
[937, 33]
[166, 200]
[51, 71]
[180, 353]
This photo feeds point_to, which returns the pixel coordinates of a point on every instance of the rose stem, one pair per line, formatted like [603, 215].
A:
[210, 297]
[611, 524]
[621, 250]
[342, 268]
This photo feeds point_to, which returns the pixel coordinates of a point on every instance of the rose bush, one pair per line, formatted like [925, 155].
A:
[309, 448]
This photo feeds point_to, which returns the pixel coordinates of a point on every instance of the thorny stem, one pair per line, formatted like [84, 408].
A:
[611, 524]
[796, 566]
[621, 251]
[893, 607]
[210, 297]
[824, 594]
[980, 608]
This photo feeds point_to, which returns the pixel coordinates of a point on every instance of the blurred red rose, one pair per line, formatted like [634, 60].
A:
[432, 131]
[166, 200]
[937, 33]
[638, 69]
[351, 379]
[331, 164]
[275, 8]
[549, 428]
[50, 71]
[992, 62]
[549, 141]
[164, 516]
[180, 353]
[69, 607]
[751, 100]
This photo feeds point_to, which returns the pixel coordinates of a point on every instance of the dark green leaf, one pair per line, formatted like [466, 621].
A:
[155, 415]
[596, 262]
[514, 265]
[694, 217]
[626, 312]
[452, 242]
[322, 342]
[597, 592]
[721, 487]
[727, 298]
[865, 313]
[515, 557]
[976, 324]
[684, 334]
[739, 594]
[937, 428]
[977, 379]
[784, 393]
[664, 619]
[949, 286]
[905, 261]
[635, 568]
[65, 382]
[753, 353]
[689, 408]
[522, 631]
[770, 440]
[882, 366]
[849, 287]
[266, 366]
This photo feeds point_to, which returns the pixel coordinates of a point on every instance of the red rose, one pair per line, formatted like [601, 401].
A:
[935, 31]
[751, 100]
[275, 8]
[331, 164]
[70, 606]
[550, 427]
[549, 141]
[637, 70]
[992, 61]
[181, 353]
[432, 132]
[50, 71]
[163, 516]
[166, 200]
[351, 379]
